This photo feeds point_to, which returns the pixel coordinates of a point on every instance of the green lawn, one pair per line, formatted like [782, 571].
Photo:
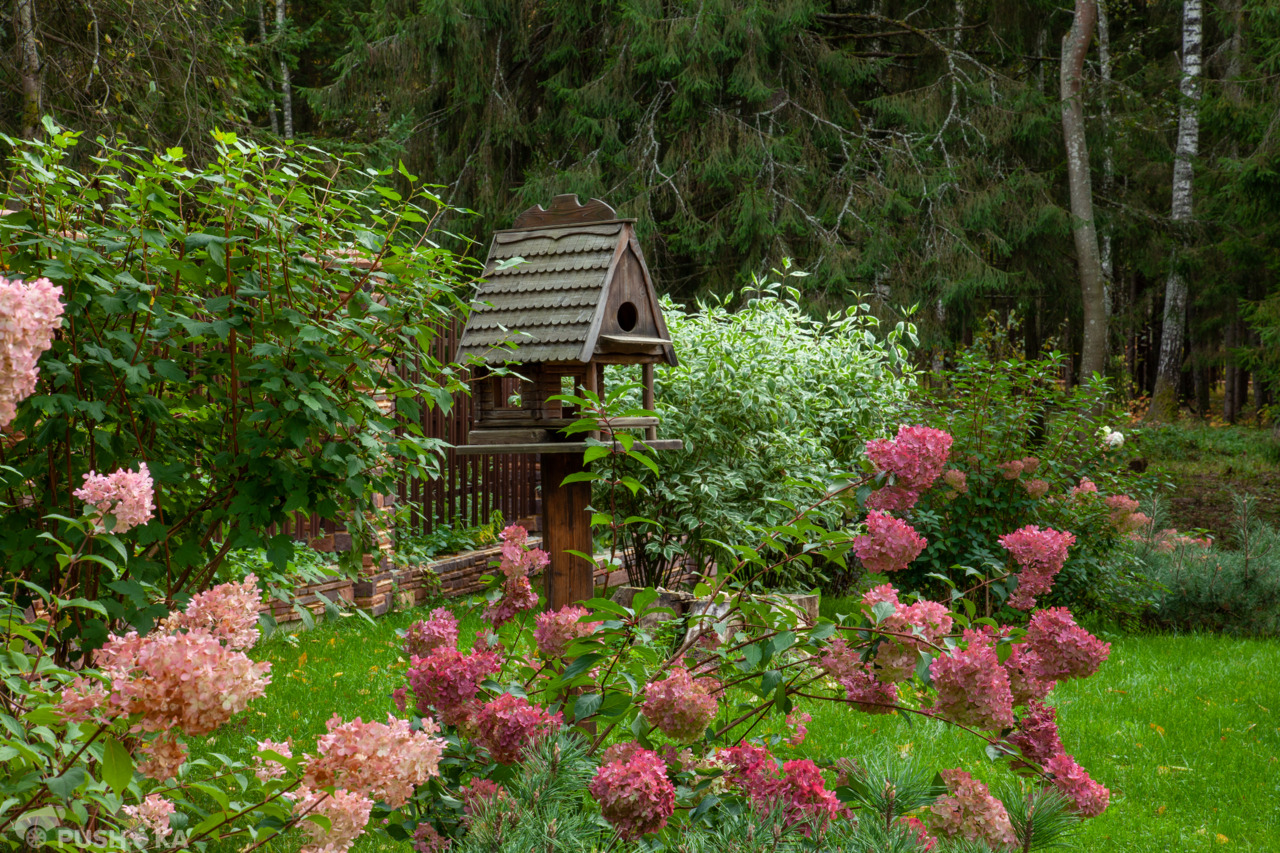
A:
[1181, 729]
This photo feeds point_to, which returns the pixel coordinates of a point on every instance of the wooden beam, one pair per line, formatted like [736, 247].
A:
[647, 399]
[555, 448]
[566, 526]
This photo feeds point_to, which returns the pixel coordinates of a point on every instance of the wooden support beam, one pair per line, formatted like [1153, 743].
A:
[647, 398]
[566, 526]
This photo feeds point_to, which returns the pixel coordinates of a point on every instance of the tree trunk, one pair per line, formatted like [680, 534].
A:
[271, 86]
[286, 87]
[1108, 155]
[24, 30]
[1075, 46]
[1164, 402]
[1229, 371]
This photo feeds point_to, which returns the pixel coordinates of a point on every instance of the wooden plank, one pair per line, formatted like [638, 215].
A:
[565, 210]
[557, 423]
[507, 436]
[647, 399]
[555, 448]
[566, 526]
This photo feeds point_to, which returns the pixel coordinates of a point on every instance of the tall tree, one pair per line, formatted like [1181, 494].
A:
[286, 83]
[24, 30]
[1164, 402]
[1075, 47]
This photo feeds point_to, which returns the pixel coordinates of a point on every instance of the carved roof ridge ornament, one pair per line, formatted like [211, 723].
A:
[565, 210]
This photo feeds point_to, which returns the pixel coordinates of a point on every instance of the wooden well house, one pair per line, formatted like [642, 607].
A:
[566, 291]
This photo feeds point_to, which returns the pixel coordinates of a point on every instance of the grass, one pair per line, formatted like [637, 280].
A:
[1205, 464]
[1181, 728]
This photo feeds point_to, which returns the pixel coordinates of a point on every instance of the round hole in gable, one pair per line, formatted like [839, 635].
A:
[628, 316]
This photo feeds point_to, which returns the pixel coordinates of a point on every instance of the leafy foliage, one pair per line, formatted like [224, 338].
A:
[239, 327]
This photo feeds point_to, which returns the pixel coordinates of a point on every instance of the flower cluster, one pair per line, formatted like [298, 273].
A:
[679, 706]
[1064, 649]
[1169, 540]
[1041, 554]
[164, 757]
[437, 630]
[29, 312]
[909, 628]
[187, 681]
[556, 629]
[347, 813]
[152, 814]
[1026, 675]
[427, 840]
[517, 562]
[1125, 517]
[890, 544]
[973, 689]
[634, 794]
[866, 692]
[798, 723]
[969, 811]
[799, 790]
[448, 680]
[509, 724]
[957, 480]
[382, 760]
[124, 495]
[915, 458]
[228, 611]
[267, 769]
[1111, 439]
[1085, 488]
[1037, 733]
[1090, 797]
[1036, 488]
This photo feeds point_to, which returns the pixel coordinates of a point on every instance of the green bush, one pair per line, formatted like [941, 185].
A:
[1012, 410]
[1234, 592]
[773, 406]
[214, 332]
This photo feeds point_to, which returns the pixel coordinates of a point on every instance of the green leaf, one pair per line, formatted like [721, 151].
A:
[65, 785]
[117, 765]
[586, 705]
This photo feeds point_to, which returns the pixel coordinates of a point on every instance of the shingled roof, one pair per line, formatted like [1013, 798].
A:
[546, 305]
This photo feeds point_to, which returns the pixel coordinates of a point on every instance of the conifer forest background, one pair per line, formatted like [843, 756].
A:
[1096, 176]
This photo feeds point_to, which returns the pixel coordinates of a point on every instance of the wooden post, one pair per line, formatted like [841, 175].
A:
[647, 400]
[566, 526]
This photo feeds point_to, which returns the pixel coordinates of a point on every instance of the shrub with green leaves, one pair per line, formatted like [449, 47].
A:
[773, 406]
[234, 325]
[1026, 451]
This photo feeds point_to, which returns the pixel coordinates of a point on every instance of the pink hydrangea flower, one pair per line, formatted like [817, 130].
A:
[892, 499]
[679, 706]
[923, 839]
[1027, 679]
[973, 689]
[797, 722]
[1036, 488]
[228, 611]
[1065, 650]
[915, 457]
[517, 559]
[448, 681]
[896, 657]
[957, 480]
[190, 682]
[439, 629]
[799, 789]
[866, 692]
[348, 814]
[1029, 464]
[1041, 554]
[85, 698]
[427, 840]
[29, 314]
[517, 597]
[889, 545]
[1125, 517]
[1087, 487]
[124, 495]
[1091, 798]
[383, 761]
[969, 811]
[556, 629]
[507, 725]
[1037, 733]
[152, 815]
[1012, 469]
[482, 795]
[635, 795]
[267, 769]
[164, 757]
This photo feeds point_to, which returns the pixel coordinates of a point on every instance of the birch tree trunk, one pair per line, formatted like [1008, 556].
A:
[286, 87]
[24, 30]
[1108, 154]
[271, 86]
[1164, 401]
[1075, 46]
